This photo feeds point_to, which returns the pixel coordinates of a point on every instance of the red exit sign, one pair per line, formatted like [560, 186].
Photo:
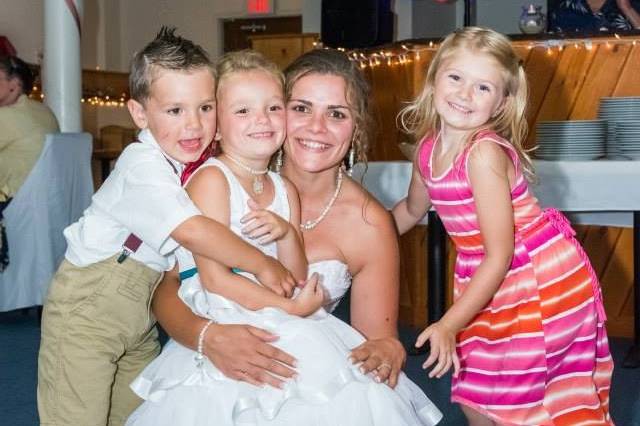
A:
[259, 7]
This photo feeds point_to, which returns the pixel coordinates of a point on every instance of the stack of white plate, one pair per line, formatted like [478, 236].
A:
[577, 140]
[628, 139]
[618, 110]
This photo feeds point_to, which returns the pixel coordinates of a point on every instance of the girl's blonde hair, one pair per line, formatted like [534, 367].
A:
[421, 119]
[245, 61]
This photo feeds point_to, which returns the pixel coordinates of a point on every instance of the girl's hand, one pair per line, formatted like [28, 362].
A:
[276, 277]
[264, 224]
[384, 356]
[310, 298]
[443, 349]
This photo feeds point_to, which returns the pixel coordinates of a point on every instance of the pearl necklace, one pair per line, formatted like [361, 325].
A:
[310, 224]
[258, 185]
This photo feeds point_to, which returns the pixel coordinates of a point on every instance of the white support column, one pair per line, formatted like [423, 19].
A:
[62, 72]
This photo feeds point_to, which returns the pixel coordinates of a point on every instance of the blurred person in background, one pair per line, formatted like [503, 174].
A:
[594, 15]
[23, 126]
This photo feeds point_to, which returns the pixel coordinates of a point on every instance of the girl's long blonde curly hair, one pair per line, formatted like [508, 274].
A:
[420, 118]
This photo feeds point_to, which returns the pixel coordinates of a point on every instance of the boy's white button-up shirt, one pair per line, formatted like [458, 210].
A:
[143, 196]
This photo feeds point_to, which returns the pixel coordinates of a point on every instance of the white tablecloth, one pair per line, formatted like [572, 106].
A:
[592, 192]
[53, 196]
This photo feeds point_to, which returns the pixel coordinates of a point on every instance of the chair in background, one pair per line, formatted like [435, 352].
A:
[54, 195]
[113, 140]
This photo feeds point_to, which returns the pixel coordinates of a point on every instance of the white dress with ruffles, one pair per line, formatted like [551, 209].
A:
[328, 391]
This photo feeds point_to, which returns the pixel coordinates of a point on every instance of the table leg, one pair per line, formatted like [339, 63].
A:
[105, 166]
[436, 276]
[437, 266]
[632, 359]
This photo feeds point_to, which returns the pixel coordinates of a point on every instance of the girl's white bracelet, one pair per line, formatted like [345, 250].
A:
[200, 356]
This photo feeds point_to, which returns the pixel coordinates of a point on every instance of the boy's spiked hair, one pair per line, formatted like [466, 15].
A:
[167, 51]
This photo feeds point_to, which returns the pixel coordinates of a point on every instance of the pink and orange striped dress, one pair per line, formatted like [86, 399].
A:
[538, 354]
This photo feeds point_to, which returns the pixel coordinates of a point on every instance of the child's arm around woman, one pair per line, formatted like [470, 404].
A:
[408, 212]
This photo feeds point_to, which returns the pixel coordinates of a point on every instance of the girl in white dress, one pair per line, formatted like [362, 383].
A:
[183, 388]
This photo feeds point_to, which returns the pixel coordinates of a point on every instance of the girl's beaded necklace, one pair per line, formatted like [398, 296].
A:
[258, 185]
[310, 224]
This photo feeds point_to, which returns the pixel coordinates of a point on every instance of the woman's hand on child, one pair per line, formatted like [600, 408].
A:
[243, 352]
[276, 277]
[443, 349]
[264, 225]
[309, 299]
[385, 357]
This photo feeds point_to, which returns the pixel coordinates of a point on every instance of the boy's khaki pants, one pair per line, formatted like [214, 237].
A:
[97, 336]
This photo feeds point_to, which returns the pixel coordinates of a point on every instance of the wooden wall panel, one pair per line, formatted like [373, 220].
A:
[540, 68]
[420, 67]
[386, 105]
[283, 48]
[600, 81]
[610, 252]
[561, 95]
[413, 273]
[616, 279]
[523, 51]
[629, 81]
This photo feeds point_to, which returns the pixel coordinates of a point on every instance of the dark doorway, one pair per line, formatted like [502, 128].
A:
[238, 31]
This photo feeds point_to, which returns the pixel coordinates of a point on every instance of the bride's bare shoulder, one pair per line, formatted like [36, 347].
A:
[364, 208]
[368, 229]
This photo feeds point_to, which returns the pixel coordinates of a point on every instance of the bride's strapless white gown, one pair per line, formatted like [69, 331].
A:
[328, 391]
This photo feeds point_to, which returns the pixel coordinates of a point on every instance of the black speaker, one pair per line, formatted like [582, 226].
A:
[356, 23]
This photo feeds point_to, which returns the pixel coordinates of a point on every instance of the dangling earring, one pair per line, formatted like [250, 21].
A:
[353, 155]
[351, 160]
[279, 160]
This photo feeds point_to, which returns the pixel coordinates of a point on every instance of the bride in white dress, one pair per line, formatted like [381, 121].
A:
[329, 388]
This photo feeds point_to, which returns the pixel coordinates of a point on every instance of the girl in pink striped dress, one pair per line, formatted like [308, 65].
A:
[525, 335]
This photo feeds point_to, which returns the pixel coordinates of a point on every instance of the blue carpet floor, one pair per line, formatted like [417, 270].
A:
[20, 336]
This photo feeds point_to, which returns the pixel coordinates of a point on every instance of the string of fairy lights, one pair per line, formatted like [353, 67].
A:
[403, 54]
[399, 54]
[97, 100]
